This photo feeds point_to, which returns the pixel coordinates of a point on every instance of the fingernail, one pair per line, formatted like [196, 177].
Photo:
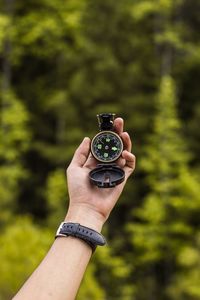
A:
[86, 138]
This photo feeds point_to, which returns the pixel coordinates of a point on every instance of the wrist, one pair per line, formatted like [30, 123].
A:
[85, 216]
[88, 235]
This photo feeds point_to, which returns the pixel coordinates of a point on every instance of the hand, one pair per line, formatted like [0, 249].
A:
[90, 205]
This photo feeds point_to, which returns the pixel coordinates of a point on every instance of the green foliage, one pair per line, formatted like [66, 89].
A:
[4, 23]
[168, 229]
[90, 289]
[166, 150]
[186, 281]
[56, 196]
[114, 274]
[23, 245]
[13, 134]
[62, 62]
[15, 138]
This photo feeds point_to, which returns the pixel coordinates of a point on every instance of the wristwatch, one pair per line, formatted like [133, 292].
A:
[88, 235]
[106, 147]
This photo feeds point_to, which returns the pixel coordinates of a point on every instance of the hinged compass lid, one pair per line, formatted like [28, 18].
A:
[107, 175]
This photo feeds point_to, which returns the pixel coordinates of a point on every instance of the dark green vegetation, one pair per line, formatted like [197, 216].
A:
[62, 62]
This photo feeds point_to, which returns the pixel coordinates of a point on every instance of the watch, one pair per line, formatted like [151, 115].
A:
[106, 147]
[90, 236]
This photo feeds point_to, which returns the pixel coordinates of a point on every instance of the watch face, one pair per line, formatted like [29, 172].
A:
[106, 146]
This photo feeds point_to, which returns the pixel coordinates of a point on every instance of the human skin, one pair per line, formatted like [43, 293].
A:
[60, 273]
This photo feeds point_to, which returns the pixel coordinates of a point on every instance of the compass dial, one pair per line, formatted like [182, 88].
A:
[106, 146]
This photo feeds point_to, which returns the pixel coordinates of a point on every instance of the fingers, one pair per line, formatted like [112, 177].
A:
[126, 141]
[119, 125]
[81, 154]
[127, 159]
[130, 162]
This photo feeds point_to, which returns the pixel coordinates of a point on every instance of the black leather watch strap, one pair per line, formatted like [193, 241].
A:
[90, 236]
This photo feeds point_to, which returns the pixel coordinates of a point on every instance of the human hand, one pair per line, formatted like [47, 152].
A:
[90, 205]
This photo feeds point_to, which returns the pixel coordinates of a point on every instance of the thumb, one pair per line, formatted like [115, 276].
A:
[81, 153]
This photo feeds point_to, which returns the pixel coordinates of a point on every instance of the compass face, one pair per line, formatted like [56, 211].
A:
[106, 146]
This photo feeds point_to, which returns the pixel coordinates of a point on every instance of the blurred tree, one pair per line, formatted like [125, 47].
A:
[15, 138]
[167, 224]
[64, 61]
[57, 197]
[90, 288]
[18, 257]
[44, 37]
[187, 77]
[114, 274]
[14, 134]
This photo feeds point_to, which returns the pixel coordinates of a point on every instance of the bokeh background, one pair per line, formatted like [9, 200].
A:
[62, 62]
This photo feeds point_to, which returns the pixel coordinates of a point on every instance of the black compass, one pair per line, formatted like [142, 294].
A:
[106, 147]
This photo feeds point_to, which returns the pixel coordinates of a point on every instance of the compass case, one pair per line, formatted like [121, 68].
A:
[107, 175]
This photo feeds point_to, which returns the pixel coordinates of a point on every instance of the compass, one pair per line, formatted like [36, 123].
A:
[106, 147]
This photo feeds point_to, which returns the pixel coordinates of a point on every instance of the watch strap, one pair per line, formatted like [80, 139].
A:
[88, 235]
[106, 121]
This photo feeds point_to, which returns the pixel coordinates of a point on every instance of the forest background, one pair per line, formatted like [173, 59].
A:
[62, 62]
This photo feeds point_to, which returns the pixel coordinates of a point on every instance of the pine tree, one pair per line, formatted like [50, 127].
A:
[166, 226]
[15, 138]
[14, 132]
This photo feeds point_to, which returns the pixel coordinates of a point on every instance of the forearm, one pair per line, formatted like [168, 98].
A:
[60, 273]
